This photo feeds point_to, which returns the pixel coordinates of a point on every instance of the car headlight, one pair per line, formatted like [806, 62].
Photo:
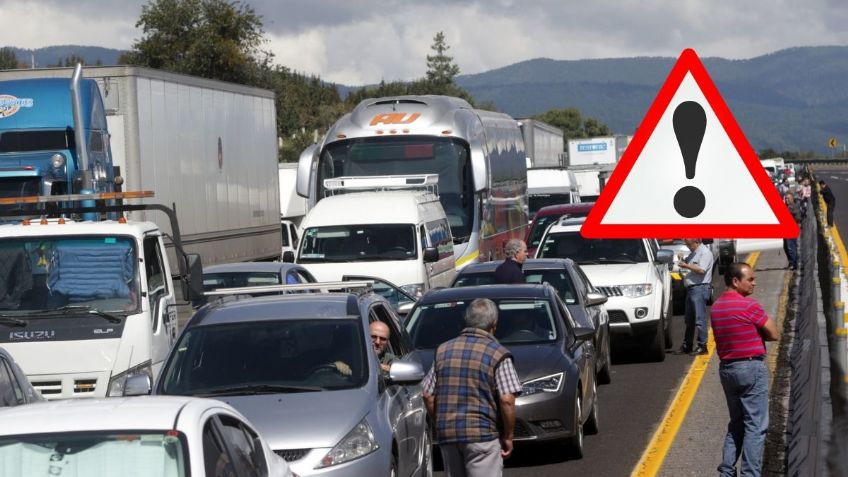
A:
[57, 161]
[547, 384]
[118, 383]
[359, 442]
[414, 289]
[636, 290]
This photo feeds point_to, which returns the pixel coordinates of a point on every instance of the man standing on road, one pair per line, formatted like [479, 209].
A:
[510, 270]
[698, 281]
[790, 245]
[470, 393]
[380, 339]
[740, 328]
[829, 200]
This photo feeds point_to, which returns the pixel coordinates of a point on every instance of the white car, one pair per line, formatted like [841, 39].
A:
[632, 273]
[133, 437]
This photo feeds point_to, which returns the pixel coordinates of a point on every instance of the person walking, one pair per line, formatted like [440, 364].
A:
[806, 193]
[510, 270]
[790, 245]
[698, 286]
[740, 328]
[470, 393]
[829, 200]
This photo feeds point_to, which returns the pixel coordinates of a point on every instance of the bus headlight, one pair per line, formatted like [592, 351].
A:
[118, 383]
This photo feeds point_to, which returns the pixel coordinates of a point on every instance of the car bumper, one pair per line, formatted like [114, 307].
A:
[623, 314]
[544, 416]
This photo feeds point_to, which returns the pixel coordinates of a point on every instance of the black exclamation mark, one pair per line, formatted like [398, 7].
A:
[690, 122]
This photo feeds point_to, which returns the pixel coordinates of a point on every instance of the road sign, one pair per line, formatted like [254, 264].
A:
[832, 142]
[689, 172]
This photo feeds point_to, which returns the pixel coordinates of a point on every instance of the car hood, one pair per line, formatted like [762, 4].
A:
[531, 361]
[617, 274]
[304, 420]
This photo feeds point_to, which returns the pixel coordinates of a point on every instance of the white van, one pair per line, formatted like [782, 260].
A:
[550, 186]
[390, 227]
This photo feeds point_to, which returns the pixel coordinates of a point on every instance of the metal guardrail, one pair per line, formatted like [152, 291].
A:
[817, 427]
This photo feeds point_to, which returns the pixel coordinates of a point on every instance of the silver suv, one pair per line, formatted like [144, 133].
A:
[303, 368]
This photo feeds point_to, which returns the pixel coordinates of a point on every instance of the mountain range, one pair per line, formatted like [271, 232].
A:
[790, 100]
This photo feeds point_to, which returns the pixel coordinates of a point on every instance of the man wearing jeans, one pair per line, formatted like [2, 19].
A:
[699, 262]
[740, 328]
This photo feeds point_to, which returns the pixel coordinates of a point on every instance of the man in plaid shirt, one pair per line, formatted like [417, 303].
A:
[470, 391]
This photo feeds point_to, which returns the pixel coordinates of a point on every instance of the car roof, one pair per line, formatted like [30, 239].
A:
[561, 209]
[72, 415]
[235, 309]
[486, 291]
[569, 224]
[273, 267]
[529, 264]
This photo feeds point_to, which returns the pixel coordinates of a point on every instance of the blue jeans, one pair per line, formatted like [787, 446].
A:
[696, 315]
[790, 246]
[745, 386]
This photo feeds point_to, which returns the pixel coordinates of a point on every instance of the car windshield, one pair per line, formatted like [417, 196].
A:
[592, 251]
[46, 273]
[354, 243]
[558, 279]
[279, 355]
[213, 281]
[538, 230]
[519, 322]
[96, 454]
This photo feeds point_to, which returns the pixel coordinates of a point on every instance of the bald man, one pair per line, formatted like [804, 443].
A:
[380, 338]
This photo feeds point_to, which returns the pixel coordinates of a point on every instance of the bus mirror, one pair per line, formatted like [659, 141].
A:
[304, 169]
[479, 168]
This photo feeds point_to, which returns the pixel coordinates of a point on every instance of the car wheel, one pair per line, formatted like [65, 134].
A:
[656, 347]
[605, 374]
[575, 443]
[427, 466]
[591, 427]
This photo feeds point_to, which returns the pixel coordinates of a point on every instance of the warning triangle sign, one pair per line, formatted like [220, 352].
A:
[689, 172]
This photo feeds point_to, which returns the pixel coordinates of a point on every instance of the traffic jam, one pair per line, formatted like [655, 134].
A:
[428, 251]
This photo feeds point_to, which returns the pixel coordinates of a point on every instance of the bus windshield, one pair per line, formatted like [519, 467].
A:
[46, 273]
[392, 155]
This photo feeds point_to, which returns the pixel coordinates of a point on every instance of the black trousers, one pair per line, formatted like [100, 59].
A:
[830, 208]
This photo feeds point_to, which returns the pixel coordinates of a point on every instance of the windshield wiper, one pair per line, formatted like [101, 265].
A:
[11, 320]
[250, 389]
[69, 309]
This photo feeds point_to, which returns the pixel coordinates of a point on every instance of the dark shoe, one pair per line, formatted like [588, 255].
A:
[700, 350]
[683, 350]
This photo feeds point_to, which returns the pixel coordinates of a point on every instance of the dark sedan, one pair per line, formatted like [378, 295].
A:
[582, 299]
[553, 355]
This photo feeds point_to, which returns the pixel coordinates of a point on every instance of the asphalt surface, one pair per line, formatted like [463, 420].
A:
[631, 408]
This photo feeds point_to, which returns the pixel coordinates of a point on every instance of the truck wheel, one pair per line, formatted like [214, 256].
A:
[656, 349]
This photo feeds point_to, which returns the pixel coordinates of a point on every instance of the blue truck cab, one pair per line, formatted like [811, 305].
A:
[42, 150]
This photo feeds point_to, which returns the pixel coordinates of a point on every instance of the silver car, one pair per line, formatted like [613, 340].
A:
[303, 368]
[15, 388]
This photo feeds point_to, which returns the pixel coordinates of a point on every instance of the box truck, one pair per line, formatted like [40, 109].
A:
[206, 147]
[543, 143]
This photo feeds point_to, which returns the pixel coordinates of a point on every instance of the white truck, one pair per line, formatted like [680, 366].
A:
[207, 147]
[86, 305]
[292, 206]
[592, 161]
[550, 186]
[543, 143]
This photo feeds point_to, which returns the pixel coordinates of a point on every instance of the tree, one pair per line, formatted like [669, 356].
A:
[8, 59]
[216, 39]
[440, 67]
[71, 60]
[572, 124]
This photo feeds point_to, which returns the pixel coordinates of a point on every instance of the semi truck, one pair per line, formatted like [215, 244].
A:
[292, 206]
[543, 144]
[207, 148]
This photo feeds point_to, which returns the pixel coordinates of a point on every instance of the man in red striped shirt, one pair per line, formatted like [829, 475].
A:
[741, 328]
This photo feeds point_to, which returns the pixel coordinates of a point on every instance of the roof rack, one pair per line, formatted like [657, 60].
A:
[428, 182]
[321, 287]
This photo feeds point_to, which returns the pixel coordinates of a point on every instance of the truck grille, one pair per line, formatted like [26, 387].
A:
[83, 386]
[47, 388]
[291, 455]
[610, 291]
[617, 316]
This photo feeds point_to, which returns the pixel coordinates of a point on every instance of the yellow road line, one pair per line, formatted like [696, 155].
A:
[652, 459]
[843, 254]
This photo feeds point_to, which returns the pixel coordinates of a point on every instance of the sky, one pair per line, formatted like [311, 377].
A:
[357, 42]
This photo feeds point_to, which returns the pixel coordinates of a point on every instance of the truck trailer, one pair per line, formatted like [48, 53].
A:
[206, 147]
[543, 144]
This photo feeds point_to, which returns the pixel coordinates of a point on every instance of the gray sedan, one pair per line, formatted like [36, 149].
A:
[303, 369]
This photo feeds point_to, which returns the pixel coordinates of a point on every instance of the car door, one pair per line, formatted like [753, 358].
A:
[161, 302]
[405, 403]
[662, 273]
[583, 354]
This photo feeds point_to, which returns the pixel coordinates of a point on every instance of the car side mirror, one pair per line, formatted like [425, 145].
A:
[193, 281]
[138, 385]
[431, 254]
[403, 371]
[595, 299]
[582, 333]
[288, 256]
[665, 256]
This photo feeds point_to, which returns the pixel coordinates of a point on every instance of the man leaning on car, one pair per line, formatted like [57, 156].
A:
[475, 374]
